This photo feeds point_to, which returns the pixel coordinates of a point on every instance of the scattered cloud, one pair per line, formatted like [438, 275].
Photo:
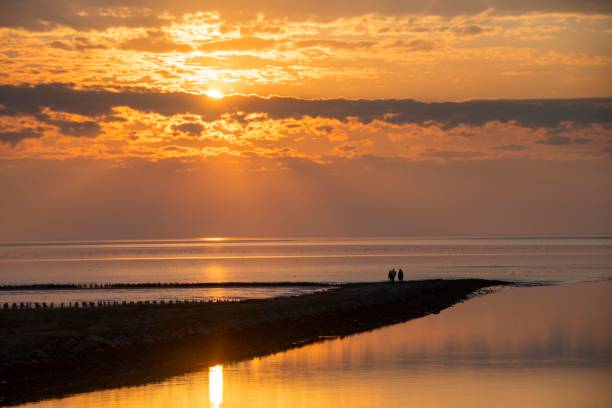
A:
[414, 45]
[98, 14]
[510, 148]
[15, 137]
[334, 44]
[76, 44]
[557, 140]
[192, 128]
[155, 41]
[443, 52]
[469, 30]
[238, 44]
[79, 129]
[452, 154]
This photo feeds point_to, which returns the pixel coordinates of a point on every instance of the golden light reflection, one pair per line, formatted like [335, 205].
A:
[215, 385]
[213, 239]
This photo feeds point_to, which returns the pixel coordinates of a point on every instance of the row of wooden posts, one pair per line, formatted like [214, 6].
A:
[109, 303]
[156, 285]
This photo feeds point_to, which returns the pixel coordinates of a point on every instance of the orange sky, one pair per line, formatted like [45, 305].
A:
[308, 95]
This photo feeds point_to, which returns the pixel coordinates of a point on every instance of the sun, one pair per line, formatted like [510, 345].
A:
[214, 93]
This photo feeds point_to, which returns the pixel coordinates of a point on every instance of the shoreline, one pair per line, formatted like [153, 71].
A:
[47, 353]
[170, 285]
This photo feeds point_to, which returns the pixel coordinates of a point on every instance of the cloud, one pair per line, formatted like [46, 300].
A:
[510, 148]
[238, 44]
[79, 129]
[354, 148]
[334, 44]
[193, 129]
[452, 154]
[92, 103]
[469, 30]
[76, 44]
[15, 137]
[155, 41]
[233, 61]
[558, 140]
[99, 14]
[78, 14]
[244, 137]
[373, 56]
[414, 45]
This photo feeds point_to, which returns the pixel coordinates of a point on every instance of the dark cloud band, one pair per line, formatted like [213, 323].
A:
[94, 14]
[15, 137]
[24, 100]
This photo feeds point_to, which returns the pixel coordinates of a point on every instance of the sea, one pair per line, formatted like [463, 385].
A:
[524, 259]
[544, 344]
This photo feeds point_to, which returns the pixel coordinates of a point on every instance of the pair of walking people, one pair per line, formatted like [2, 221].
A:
[392, 273]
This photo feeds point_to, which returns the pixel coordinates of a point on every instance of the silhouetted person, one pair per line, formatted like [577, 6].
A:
[392, 275]
[400, 275]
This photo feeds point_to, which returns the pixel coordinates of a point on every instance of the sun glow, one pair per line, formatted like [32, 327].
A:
[214, 93]
[215, 385]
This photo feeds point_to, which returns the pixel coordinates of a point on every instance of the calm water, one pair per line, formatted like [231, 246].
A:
[158, 294]
[246, 260]
[543, 259]
[529, 347]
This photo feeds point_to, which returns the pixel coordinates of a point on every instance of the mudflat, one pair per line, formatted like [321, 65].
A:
[46, 353]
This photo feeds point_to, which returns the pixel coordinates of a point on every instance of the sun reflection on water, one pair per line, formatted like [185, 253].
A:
[213, 239]
[215, 385]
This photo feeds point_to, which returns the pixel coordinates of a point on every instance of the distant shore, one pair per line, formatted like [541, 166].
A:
[47, 353]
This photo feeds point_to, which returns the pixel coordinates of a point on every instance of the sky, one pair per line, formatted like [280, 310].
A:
[124, 119]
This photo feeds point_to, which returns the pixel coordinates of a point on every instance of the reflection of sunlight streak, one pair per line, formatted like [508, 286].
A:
[214, 273]
[215, 385]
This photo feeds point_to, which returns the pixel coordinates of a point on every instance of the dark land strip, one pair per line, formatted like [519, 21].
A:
[46, 353]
